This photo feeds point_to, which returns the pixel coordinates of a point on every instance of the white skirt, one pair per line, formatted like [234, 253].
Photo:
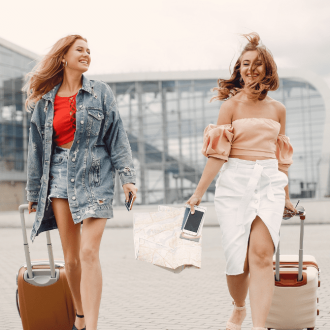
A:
[246, 189]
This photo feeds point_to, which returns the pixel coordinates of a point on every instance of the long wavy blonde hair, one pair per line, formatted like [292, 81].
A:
[48, 72]
[258, 89]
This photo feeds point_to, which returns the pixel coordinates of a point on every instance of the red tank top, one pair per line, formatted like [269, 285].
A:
[64, 122]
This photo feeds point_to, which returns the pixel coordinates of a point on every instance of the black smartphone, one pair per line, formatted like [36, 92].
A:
[129, 203]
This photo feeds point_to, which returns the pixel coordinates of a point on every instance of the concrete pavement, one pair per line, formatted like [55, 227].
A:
[137, 295]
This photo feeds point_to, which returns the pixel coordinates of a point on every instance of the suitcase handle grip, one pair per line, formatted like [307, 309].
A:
[21, 209]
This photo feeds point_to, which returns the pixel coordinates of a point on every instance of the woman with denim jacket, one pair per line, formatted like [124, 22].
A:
[76, 142]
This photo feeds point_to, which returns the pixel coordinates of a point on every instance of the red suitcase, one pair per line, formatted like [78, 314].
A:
[43, 296]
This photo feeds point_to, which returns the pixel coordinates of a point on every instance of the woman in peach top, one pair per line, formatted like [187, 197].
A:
[249, 147]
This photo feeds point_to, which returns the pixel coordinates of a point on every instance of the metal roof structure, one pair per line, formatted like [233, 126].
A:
[18, 49]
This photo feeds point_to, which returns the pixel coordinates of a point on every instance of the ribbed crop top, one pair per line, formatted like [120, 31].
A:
[248, 137]
[64, 122]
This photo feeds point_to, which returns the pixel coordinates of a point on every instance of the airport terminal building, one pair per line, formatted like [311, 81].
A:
[15, 62]
[165, 114]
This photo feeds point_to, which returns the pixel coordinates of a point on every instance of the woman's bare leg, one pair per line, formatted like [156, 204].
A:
[91, 279]
[238, 286]
[261, 249]
[70, 239]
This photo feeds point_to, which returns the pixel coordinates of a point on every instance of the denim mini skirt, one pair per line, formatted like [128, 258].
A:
[59, 173]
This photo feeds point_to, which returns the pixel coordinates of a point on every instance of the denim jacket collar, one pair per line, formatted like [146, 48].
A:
[86, 86]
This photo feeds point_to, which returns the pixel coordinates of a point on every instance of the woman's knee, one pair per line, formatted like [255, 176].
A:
[72, 264]
[88, 255]
[261, 258]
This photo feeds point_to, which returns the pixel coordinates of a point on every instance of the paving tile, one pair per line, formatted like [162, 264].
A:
[137, 295]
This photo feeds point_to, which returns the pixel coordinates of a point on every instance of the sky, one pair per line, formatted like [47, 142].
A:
[172, 35]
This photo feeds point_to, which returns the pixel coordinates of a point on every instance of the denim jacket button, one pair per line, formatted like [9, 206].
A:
[81, 122]
[74, 198]
[72, 180]
[73, 159]
[78, 216]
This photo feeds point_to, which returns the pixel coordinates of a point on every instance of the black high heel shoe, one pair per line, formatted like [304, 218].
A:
[74, 327]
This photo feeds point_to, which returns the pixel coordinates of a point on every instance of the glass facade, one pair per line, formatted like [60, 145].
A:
[13, 67]
[305, 126]
[165, 121]
[13, 128]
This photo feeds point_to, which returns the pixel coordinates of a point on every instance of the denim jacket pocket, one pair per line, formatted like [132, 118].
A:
[95, 117]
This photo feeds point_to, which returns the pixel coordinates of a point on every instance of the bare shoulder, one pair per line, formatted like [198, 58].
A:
[277, 106]
[230, 105]
[227, 105]
[226, 112]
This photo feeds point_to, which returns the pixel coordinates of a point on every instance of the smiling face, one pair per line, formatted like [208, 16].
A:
[78, 56]
[252, 69]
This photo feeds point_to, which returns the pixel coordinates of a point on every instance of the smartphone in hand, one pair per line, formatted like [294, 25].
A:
[194, 222]
[129, 203]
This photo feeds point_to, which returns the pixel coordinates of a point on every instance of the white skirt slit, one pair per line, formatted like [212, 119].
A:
[244, 190]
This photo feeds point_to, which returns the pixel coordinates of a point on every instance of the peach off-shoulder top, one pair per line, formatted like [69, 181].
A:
[248, 137]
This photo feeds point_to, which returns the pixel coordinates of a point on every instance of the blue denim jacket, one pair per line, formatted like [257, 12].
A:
[100, 147]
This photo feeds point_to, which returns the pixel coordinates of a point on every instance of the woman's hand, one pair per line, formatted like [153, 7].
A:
[289, 208]
[129, 187]
[194, 200]
[30, 207]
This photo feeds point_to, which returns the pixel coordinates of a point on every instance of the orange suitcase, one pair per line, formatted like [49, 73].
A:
[43, 296]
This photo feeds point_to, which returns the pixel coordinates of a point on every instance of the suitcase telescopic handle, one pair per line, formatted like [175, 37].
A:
[301, 252]
[22, 208]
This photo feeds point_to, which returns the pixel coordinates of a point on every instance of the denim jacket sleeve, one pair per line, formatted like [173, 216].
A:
[34, 164]
[116, 139]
